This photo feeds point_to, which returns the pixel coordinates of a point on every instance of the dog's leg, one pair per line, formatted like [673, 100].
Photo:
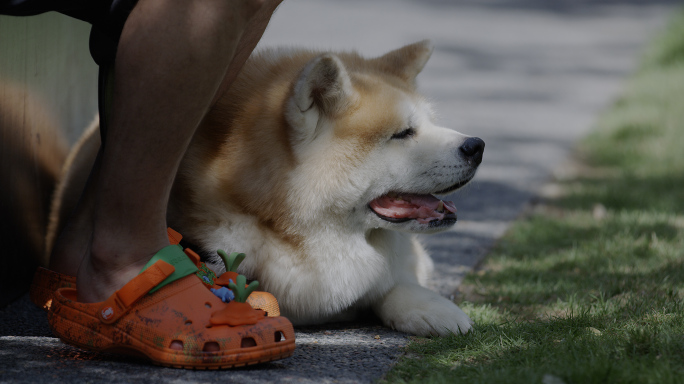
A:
[420, 311]
[408, 306]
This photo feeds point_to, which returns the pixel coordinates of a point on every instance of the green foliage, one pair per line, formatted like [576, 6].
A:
[668, 49]
[232, 261]
[241, 291]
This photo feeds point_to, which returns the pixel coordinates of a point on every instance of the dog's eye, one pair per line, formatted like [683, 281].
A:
[405, 134]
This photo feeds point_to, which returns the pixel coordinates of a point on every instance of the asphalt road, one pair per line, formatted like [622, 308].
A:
[528, 76]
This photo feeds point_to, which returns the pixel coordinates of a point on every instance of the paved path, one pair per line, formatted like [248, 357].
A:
[527, 76]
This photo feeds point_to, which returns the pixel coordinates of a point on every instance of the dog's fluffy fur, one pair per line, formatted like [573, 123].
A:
[284, 168]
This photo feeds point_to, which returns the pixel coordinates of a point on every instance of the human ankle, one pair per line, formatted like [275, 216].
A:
[68, 252]
[108, 268]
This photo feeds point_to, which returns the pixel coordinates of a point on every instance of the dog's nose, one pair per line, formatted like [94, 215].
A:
[472, 149]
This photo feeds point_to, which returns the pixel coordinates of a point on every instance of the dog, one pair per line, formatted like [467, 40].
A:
[321, 167]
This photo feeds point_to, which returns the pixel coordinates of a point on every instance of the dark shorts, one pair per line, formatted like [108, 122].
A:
[107, 17]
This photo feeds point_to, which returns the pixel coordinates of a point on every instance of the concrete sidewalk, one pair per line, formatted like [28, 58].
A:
[527, 76]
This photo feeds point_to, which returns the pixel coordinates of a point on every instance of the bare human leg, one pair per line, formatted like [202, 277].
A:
[174, 59]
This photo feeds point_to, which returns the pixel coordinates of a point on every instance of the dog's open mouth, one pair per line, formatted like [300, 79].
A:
[402, 207]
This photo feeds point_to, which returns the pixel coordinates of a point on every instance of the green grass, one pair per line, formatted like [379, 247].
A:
[589, 287]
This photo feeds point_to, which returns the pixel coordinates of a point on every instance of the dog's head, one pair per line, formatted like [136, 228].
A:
[367, 148]
[305, 140]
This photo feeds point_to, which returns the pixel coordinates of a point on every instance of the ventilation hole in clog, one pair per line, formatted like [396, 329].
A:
[211, 346]
[207, 304]
[279, 336]
[188, 322]
[208, 325]
[177, 345]
[248, 342]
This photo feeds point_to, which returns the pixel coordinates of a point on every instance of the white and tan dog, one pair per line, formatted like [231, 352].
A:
[321, 167]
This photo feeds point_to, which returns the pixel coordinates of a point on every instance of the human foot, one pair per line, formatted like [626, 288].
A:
[180, 324]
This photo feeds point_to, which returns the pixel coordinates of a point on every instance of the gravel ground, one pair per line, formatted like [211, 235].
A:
[334, 353]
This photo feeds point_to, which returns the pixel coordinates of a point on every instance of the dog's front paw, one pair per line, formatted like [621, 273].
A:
[417, 310]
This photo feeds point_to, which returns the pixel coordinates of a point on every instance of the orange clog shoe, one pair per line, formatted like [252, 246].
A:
[46, 282]
[166, 314]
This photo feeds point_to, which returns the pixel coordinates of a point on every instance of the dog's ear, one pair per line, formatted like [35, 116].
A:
[322, 89]
[406, 62]
[323, 84]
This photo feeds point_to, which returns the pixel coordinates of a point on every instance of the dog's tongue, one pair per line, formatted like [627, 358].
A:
[422, 208]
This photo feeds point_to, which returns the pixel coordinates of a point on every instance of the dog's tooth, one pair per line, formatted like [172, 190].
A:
[440, 206]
